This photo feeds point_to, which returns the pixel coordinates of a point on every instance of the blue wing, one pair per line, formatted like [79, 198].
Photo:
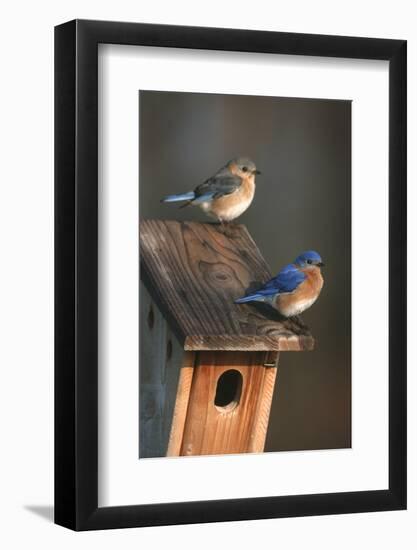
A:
[222, 183]
[287, 280]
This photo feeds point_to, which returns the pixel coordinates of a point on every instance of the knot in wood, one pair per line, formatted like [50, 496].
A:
[218, 274]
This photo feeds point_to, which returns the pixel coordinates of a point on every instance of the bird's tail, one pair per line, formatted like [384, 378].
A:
[180, 197]
[250, 298]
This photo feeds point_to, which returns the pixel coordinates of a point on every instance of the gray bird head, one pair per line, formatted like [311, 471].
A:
[243, 166]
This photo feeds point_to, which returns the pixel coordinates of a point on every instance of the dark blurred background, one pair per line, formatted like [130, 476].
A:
[302, 202]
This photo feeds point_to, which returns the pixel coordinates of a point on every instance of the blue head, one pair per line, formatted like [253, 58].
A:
[309, 259]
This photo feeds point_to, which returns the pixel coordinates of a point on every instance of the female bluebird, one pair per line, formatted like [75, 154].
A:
[227, 194]
[296, 287]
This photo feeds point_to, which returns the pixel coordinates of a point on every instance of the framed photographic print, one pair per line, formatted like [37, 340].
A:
[230, 275]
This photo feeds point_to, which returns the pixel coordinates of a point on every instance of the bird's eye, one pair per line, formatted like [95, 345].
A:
[309, 261]
[244, 169]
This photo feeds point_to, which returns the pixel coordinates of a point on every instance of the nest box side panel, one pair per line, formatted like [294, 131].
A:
[229, 403]
[161, 357]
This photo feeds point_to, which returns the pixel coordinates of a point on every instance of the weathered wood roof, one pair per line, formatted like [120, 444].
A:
[194, 272]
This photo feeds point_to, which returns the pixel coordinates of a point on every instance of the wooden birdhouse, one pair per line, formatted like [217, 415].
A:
[208, 366]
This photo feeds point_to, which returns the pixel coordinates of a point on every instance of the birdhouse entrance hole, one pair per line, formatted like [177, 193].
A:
[228, 390]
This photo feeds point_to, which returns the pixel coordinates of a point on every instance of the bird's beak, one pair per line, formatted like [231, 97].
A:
[257, 172]
[321, 264]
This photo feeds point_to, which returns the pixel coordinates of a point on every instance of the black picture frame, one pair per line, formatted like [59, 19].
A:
[76, 271]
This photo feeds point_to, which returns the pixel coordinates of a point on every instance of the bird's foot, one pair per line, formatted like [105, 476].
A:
[227, 228]
[297, 319]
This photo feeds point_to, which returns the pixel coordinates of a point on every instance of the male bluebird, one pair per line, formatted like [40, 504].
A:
[296, 287]
[227, 194]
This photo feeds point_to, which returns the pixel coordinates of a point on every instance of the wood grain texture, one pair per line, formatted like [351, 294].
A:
[159, 370]
[258, 435]
[195, 272]
[181, 405]
[236, 428]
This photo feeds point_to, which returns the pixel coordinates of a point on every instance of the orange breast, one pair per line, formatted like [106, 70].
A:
[304, 296]
[231, 206]
[311, 287]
